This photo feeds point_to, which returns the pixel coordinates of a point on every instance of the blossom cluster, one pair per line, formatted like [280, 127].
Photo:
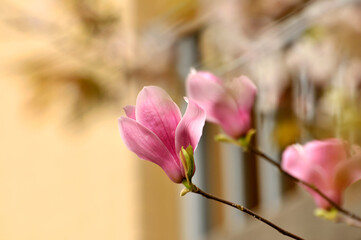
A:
[155, 130]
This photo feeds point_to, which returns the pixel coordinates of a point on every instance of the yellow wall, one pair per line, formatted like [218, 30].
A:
[58, 183]
[60, 180]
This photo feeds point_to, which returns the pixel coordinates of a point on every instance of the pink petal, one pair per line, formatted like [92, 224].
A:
[148, 146]
[326, 154]
[244, 92]
[208, 76]
[130, 111]
[294, 162]
[189, 130]
[210, 94]
[225, 106]
[235, 124]
[347, 172]
[156, 111]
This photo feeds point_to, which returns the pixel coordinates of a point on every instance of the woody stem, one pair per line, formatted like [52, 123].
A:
[196, 190]
[297, 180]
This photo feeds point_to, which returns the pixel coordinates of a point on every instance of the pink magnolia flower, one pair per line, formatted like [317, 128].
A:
[228, 105]
[155, 130]
[330, 165]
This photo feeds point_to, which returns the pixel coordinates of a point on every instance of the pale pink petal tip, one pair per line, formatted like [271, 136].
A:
[130, 111]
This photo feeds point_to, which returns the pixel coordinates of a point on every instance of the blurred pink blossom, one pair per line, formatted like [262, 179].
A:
[329, 165]
[155, 130]
[226, 104]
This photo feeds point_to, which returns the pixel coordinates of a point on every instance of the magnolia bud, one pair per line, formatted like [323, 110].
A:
[186, 156]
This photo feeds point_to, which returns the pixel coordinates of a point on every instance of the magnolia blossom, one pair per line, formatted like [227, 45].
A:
[330, 165]
[228, 105]
[155, 130]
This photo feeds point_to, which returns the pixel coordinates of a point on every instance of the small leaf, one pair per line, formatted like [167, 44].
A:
[225, 138]
[246, 140]
[184, 191]
[330, 215]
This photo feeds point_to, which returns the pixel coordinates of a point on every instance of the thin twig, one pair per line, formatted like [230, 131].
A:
[311, 186]
[195, 189]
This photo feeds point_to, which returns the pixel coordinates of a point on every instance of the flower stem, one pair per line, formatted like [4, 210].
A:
[297, 180]
[196, 190]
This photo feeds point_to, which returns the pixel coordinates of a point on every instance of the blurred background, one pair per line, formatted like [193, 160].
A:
[68, 66]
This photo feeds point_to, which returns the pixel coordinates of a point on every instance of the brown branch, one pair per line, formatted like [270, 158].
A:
[195, 189]
[311, 186]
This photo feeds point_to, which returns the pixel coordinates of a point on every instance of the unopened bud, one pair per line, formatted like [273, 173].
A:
[186, 156]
